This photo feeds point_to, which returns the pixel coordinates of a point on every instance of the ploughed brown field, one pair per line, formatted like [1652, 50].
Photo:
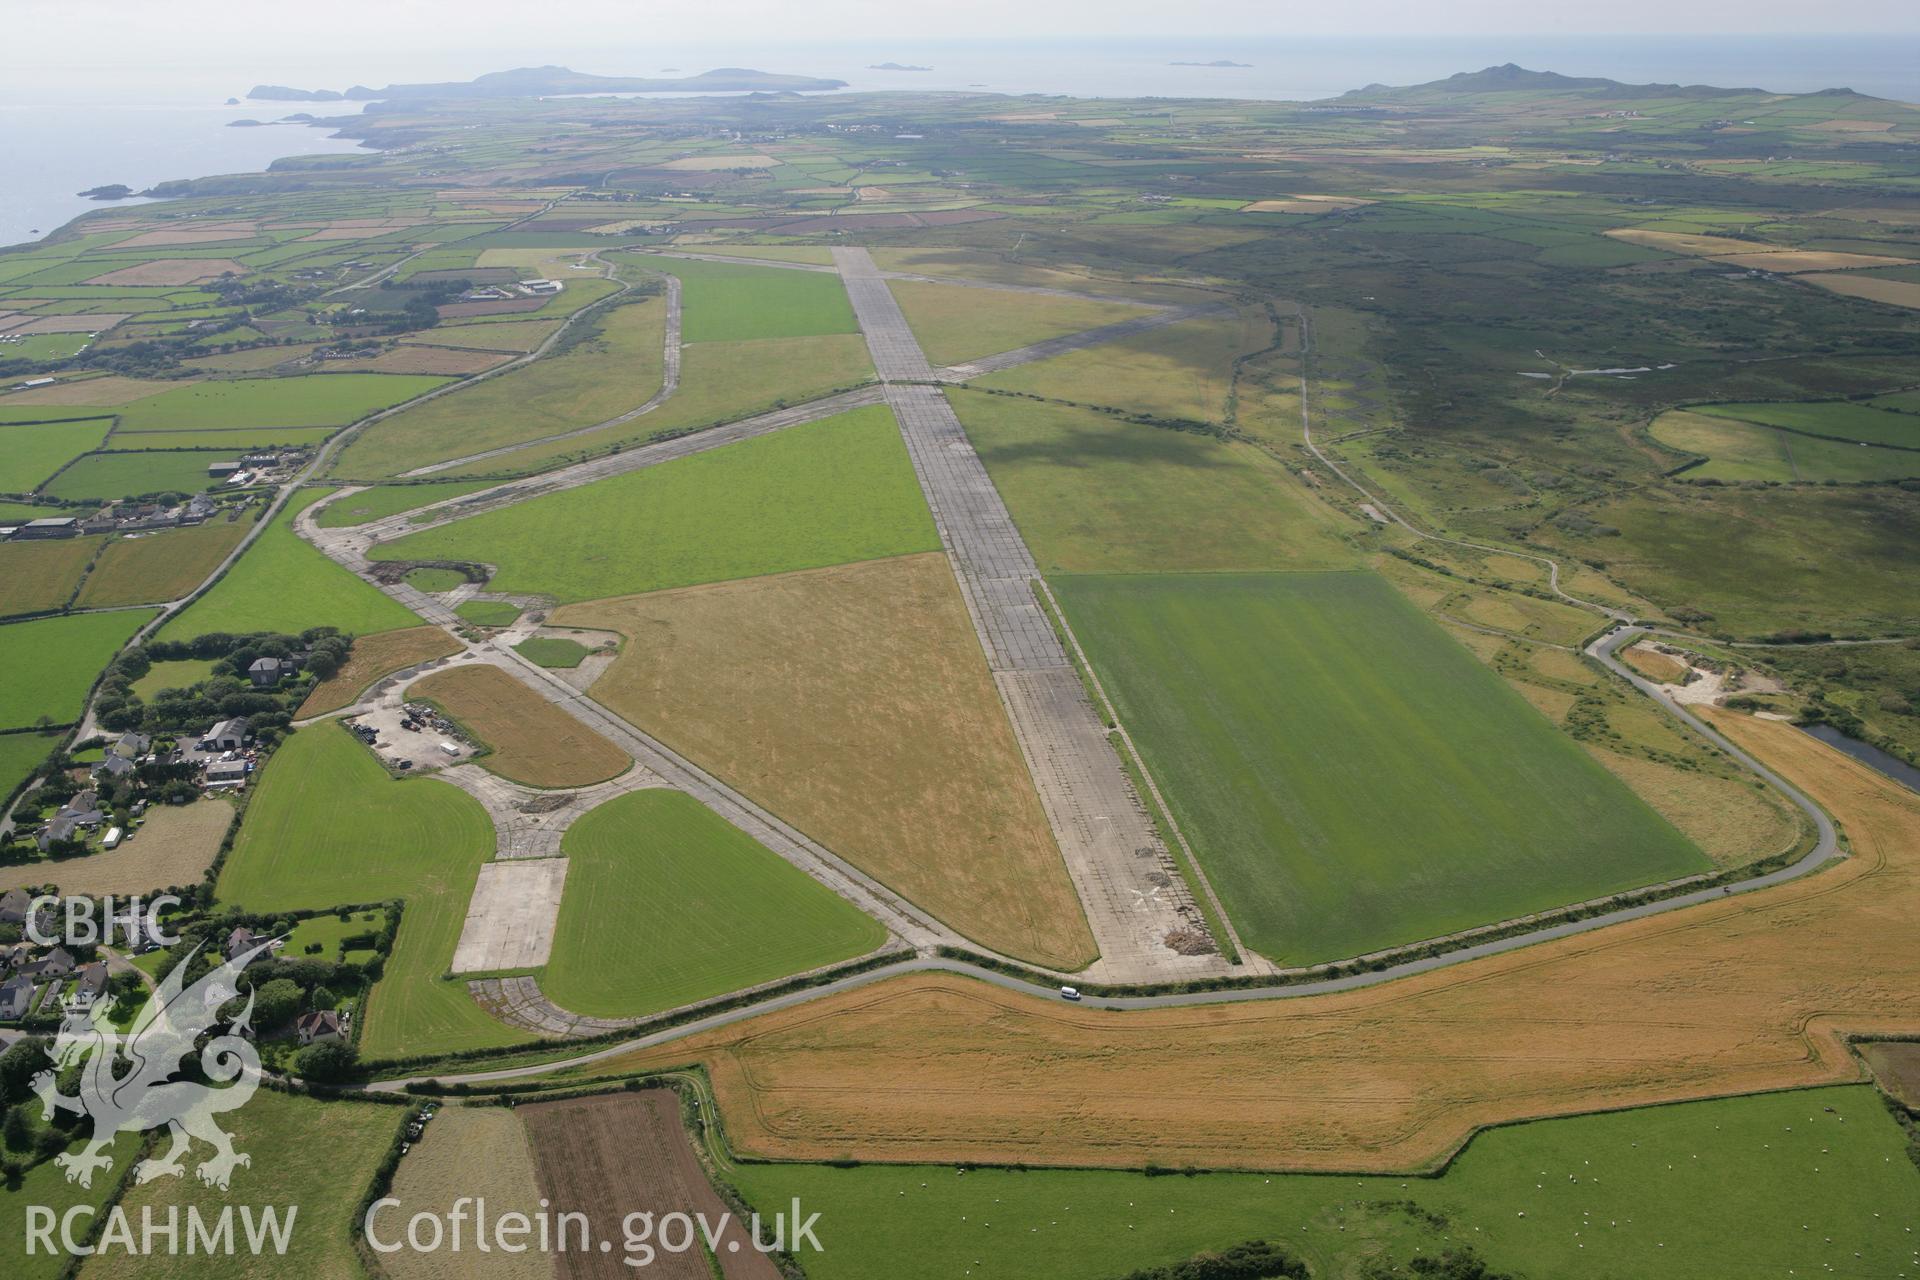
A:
[1753, 993]
[626, 1153]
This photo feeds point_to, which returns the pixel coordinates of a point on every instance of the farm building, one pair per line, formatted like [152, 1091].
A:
[13, 906]
[51, 527]
[221, 470]
[228, 735]
[227, 773]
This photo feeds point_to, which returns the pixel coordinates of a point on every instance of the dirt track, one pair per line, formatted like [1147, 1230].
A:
[1749, 994]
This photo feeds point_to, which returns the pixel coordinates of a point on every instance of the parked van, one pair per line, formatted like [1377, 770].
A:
[1069, 993]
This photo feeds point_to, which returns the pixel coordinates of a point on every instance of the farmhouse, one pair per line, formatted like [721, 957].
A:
[239, 942]
[80, 813]
[268, 672]
[13, 906]
[51, 527]
[228, 735]
[113, 765]
[132, 746]
[320, 1026]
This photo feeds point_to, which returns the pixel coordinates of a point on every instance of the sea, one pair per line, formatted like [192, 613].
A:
[58, 139]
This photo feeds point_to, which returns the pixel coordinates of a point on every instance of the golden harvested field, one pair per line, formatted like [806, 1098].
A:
[712, 162]
[205, 233]
[466, 1151]
[1895, 293]
[159, 566]
[1791, 261]
[854, 702]
[374, 657]
[172, 271]
[174, 846]
[1304, 204]
[1691, 245]
[626, 1152]
[1653, 664]
[110, 390]
[534, 742]
[1752, 993]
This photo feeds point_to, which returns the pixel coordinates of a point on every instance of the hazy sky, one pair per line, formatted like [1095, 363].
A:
[388, 39]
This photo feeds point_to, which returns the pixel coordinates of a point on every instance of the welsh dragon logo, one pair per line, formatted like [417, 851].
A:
[127, 1085]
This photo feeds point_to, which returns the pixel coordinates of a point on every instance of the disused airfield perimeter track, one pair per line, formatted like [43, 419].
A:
[997, 575]
[1012, 641]
[508, 493]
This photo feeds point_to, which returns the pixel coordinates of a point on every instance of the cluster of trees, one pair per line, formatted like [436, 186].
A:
[228, 691]
[1249, 1260]
[420, 310]
[1453, 1264]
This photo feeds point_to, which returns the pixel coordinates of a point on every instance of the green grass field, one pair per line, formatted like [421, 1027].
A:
[1093, 494]
[552, 652]
[181, 674]
[307, 400]
[956, 322]
[614, 367]
[1748, 451]
[1349, 776]
[825, 493]
[229, 440]
[52, 662]
[1724, 1190]
[721, 302]
[31, 453]
[387, 500]
[1757, 561]
[1838, 419]
[489, 613]
[46, 1185]
[20, 754]
[284, 584]
[666, 904]
[435, 580]
[719, 382]
[329, 826]
[281, 1133]
[106, 476]
[328, 932]
[1181, 371]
